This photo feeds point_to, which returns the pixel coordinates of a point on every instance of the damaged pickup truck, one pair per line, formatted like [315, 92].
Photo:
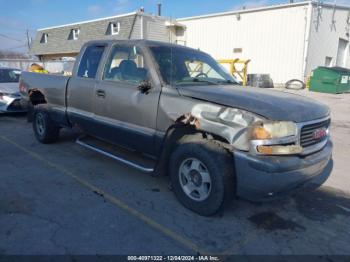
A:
[169, 109]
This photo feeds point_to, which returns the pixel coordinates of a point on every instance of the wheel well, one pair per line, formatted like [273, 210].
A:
[172, 138]
[36, 97]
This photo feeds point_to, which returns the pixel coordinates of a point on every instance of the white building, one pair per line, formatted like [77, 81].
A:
[286, 41]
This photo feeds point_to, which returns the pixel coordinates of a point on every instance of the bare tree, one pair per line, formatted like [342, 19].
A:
[5, 54]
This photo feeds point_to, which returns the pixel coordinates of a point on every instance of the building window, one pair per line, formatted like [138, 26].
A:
[343, 47]
[44, 38]
[328, 61]
[74, 34]
[115, 28]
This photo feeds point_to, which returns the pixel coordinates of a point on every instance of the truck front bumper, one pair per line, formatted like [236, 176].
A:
[267, 177]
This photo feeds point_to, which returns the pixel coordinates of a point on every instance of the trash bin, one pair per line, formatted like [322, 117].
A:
[334, 80]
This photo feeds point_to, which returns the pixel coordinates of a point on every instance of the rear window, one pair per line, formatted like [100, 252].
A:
[9, 75]
[90, 61]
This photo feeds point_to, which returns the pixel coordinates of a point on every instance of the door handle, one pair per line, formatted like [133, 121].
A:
[101, 93]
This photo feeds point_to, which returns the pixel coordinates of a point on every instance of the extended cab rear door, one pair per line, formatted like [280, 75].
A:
[125, 114]
[81, 87]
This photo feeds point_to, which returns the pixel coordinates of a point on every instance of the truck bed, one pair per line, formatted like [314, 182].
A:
[53, 87]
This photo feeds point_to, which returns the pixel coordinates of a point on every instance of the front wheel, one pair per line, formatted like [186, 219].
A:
[45, 130]
[202, 175]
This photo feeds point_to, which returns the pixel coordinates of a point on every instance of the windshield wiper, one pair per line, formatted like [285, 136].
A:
[197, 80]
[228, 82]
[205, 81]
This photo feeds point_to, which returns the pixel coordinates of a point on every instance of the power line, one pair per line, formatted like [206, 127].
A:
[18, 30]
[16, 47]
[11, 38]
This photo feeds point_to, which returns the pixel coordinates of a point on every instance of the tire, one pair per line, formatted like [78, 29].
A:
[216, 162]
[295, 84]
[45, 130]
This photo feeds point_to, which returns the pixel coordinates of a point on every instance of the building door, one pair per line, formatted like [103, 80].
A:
[342, 52]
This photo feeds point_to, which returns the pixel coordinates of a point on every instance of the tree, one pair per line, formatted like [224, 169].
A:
[5, 54]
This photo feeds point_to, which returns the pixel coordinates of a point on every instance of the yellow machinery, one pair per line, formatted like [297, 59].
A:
[242, 73]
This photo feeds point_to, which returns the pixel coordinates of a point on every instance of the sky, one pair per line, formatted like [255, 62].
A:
[18, 16]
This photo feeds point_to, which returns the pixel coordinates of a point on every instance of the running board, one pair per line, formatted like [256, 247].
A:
[121, 157]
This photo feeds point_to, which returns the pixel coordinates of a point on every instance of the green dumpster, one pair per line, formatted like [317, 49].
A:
[334, 80]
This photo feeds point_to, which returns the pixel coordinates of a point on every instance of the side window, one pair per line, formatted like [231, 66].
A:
[90, 60]
[126, 63]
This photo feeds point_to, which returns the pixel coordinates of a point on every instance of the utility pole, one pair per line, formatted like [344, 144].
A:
[28, 40]
[159, 5]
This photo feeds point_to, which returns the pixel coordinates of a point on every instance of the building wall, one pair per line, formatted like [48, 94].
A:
[156, 30]
[153, 27]
[133, 26]
[273, 39]
[324, 36]
[58, 42]
[136, 30]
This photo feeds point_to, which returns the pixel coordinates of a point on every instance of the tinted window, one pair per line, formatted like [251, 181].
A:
[9, 75]
[126, 63]
[181, 66]
[89, 62]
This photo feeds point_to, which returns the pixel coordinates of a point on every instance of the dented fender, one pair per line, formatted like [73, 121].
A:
[228, 123]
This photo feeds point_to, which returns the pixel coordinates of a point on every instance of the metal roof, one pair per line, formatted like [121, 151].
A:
[90, 21]
[265, 8]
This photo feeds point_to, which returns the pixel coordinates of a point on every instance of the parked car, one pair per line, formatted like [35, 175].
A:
[140, 103]
[10, 97]
[260, 80]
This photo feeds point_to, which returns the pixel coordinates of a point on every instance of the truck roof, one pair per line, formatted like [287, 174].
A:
[140, 42]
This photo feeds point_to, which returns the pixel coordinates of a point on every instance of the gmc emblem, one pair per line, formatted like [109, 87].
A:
[319, 133]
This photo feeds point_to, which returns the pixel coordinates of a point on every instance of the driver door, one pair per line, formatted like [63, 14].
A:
[126, 115]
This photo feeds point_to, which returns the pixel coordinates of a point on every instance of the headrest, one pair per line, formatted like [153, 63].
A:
[127, 66]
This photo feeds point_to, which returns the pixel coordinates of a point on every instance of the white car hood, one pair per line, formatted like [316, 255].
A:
[9, 88]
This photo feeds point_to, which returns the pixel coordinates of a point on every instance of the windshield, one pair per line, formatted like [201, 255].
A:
[181, 66]
[9, 75]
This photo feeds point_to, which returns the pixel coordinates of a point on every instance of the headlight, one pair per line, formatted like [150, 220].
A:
[275, 138]
[8, 95]
[273, 130]
[2, 95]
[247, 131]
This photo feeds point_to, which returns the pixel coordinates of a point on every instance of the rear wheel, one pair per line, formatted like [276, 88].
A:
[202, 175]
[45, 130]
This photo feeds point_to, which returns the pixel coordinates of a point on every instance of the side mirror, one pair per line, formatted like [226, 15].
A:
[145, 86]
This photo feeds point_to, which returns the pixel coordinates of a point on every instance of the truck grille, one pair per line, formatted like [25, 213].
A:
[307, 137]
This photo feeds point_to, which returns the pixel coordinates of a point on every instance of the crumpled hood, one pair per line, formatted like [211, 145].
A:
[274, 105]
[9, 88]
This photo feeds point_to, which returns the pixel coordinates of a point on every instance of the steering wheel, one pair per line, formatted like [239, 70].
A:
[201, 74]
